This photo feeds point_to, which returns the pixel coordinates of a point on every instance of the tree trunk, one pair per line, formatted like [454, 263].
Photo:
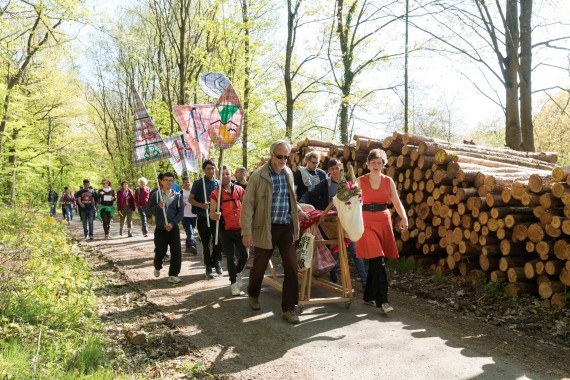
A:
[513, 137]
[525, 70]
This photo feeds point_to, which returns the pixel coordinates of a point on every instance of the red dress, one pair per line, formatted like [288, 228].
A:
[378, 237]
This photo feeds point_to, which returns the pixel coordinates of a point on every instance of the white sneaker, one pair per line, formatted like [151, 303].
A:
[235, 289]
[156, 273]
[386, 308]
[174, 280]
[239, 280]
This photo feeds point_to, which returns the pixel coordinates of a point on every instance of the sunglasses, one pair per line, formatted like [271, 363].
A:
[281, 156]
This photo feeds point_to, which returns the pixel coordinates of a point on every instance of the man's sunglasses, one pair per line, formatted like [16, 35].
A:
[281, 156]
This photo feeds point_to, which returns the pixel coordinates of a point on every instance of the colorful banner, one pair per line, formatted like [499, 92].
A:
[181, 156]
[226, 119]
[194, 121]
[149, 146]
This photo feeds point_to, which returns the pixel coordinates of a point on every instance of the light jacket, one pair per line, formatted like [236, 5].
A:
[256, 207]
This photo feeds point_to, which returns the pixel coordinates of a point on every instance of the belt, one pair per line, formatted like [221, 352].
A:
[373, 207]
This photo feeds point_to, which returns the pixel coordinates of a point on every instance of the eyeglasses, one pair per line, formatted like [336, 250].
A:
[281, 156]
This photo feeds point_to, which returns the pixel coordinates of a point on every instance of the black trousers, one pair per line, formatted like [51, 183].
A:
[106, 218]
[233, 246]
[377, 282]
[164, 239]
[207, 235]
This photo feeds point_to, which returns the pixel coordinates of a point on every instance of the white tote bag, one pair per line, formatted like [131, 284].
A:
[350, 216]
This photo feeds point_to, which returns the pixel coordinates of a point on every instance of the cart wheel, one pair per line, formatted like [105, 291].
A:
[301, 308]
[347, 305]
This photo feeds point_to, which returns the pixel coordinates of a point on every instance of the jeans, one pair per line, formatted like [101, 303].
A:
[189, 223]
[233, 246]
[359, 263]
[207, 234]
[68, 213]
[87, 216]
[52, 209]
[164, 239]
[282, 237]
[144, 219]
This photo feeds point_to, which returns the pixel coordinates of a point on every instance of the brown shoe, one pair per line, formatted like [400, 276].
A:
[253, 303]
[291, 317]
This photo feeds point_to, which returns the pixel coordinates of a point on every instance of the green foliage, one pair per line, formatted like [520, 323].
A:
[402, 265]
[551, 126]
[46, 299]
[490, 134]
[493, 289]
[196, 370]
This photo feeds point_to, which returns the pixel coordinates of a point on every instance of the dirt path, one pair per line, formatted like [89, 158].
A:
[417, 341]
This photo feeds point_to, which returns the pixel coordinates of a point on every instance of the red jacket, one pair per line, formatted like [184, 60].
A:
[230, 206]
[123, 202]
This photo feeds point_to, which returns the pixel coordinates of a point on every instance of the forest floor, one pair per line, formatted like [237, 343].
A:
[442, 328]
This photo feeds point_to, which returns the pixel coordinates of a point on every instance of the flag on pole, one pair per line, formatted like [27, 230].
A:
[149, 146]
[226, 119]
[181, 156]
[194, 121]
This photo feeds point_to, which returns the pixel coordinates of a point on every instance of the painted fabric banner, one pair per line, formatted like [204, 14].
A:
[181, 157]
[149, 146]
[194, 121]
[226, 119]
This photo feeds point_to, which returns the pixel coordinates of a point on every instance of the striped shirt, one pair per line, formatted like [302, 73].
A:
[279, 198]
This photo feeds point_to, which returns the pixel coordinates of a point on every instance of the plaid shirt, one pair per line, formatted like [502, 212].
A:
[280, 198]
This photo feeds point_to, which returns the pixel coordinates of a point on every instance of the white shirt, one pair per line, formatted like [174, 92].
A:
[187, 205]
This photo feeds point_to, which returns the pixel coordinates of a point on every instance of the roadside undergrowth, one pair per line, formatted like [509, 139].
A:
[48, 325]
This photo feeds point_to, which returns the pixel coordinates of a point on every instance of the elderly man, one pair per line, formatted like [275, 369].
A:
[270, 217]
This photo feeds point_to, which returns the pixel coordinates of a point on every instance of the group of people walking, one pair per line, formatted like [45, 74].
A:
[104, 204]
[260, 214]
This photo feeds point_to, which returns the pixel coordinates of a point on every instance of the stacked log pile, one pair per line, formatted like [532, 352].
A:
[490, 212]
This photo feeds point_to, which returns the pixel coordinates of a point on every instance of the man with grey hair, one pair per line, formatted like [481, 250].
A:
[306, 177]
[240, 175]
[270, 217]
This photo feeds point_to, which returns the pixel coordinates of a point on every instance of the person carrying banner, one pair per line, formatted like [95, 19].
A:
[199, 198]
[270, 217]
[230, 228]
[167, 232]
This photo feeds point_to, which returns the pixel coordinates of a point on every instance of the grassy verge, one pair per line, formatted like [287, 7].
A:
[48, 325]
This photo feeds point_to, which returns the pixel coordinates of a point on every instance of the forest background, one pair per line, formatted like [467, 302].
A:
[496, 72]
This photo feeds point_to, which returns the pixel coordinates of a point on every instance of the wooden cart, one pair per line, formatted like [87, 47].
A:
[343, 291]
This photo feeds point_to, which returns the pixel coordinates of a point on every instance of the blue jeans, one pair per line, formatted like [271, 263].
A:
[52, 209]
[359, 263]
[87, 216]
[189, 223]
[144, 219]
[68, 213]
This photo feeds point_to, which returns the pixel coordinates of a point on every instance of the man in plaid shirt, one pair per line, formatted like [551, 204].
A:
[270, 217]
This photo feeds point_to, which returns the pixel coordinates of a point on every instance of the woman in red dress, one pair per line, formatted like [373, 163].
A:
[378, 242]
